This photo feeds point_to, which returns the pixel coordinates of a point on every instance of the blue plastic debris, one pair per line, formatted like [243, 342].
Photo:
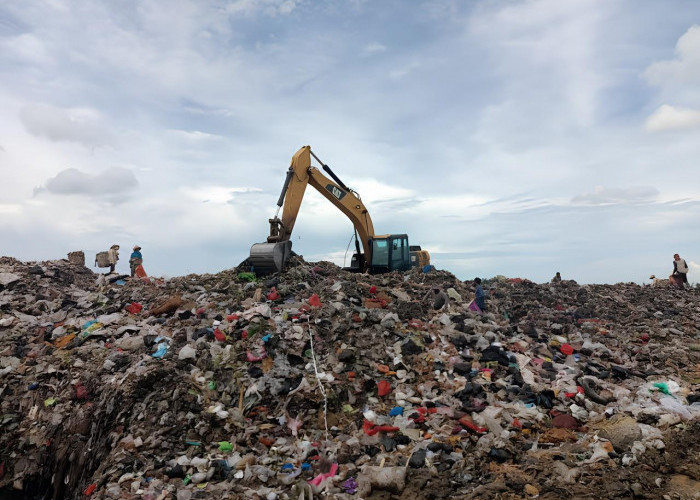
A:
[306, 466]
[288, 467]
[396, 410]
[161, 351]
[89, 323]
[267, 337]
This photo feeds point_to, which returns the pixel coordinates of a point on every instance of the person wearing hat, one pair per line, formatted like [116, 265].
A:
[135, 260]
[113, 257]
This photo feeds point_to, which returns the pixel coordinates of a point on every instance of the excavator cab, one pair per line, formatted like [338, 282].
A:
[390, 252]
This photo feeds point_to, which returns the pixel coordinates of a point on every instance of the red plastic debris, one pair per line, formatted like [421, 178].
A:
[383, 387]
[219, 335]
[645, 337]
[232, 317]
[90, 489]
[373, 290]
[415, 323]
[200, 312]
[566, 349]
[266, 441]
[273, 295]
[517, 424]
[422, 412]
[315, 301]
[467, 422]
[371, 429]
[81, 393]
[134, 308]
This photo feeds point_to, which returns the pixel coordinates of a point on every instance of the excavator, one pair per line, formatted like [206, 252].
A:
[379, 253]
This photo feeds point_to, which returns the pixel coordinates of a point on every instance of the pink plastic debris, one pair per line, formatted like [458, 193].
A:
[322, 477]
[294, 425]
[474, 307]
[253, 358]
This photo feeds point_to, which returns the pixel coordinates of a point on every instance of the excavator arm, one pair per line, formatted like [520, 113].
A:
[300, 174]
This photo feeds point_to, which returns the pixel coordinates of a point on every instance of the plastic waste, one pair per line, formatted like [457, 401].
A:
[134, 308]
[350, 486]
[225, 446]
[315, 301]
[161, 350]
[322, 477]
[383, 387]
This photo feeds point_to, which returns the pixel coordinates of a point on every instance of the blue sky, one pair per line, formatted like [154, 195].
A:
[506, 137]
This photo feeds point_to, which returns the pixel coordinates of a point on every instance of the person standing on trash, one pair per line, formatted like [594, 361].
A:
[113, 256]
[480, 297]
[557, 278]
[680, 271]
[135, 260]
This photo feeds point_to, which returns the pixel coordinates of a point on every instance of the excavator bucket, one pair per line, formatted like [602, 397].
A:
[267, 258]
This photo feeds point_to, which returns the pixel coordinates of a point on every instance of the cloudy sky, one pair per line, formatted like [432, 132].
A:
[507, 137]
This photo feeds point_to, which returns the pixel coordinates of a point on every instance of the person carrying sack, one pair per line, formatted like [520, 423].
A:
[113, 257]
[680, 271]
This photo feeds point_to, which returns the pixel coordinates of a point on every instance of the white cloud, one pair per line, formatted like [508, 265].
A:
[216, 194]
[194, 136]
[607, 196]
[669, 118]
[10, 209]
[26, 47]
[547, 54]
[684, 69]
[268, 7]
[116, 180]
[374, 48]
[81, 125]
[405, 70]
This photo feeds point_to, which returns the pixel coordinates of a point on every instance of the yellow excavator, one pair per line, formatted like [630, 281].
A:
[380, 253]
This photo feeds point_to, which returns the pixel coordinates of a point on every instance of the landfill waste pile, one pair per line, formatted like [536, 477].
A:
[317, 383]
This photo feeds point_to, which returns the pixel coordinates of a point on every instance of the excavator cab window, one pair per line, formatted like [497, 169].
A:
[399, 253]
[390, 254]
[380, 254]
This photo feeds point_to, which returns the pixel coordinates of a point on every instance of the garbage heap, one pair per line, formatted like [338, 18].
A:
[318, 383]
